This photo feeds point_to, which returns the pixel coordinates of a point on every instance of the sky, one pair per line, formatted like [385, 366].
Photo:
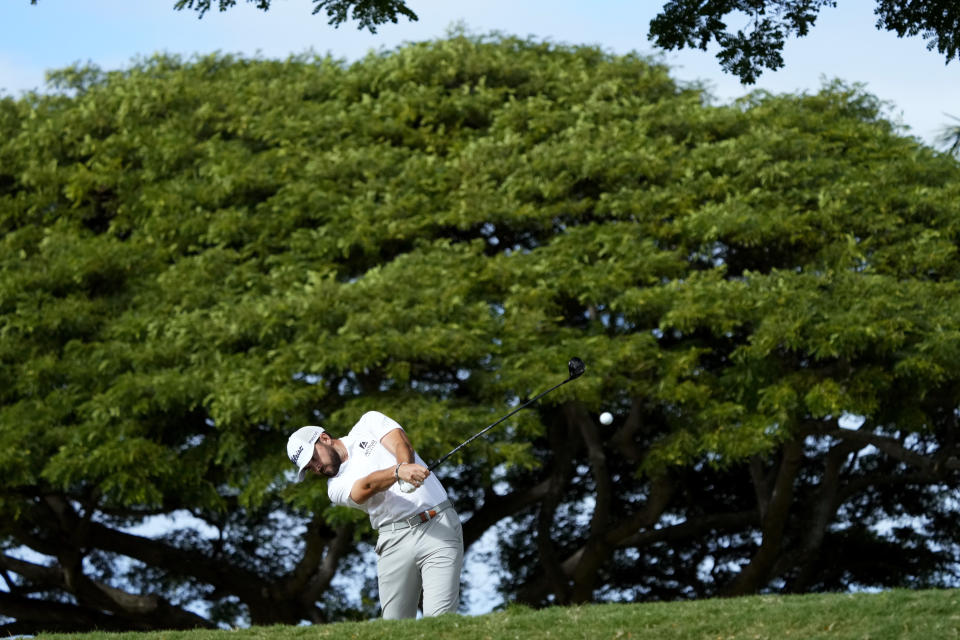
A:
[922, 90]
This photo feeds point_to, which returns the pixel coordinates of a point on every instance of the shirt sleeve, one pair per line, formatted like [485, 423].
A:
[380, 425]
[338, 490]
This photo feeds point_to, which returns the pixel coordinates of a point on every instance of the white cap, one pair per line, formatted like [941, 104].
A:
[300, 448]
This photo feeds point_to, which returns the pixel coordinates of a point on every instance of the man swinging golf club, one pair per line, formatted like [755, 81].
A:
[420, 539]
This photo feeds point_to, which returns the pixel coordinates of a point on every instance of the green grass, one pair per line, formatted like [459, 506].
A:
[900, 614]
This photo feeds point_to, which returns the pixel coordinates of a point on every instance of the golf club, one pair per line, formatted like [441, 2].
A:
[575, 368]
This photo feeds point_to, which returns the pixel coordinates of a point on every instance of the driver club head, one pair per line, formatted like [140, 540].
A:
[576, 367]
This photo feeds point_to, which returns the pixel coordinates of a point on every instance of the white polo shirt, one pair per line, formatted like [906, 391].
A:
[366, 454]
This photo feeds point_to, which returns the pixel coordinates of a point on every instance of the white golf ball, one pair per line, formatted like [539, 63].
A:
[606, 417]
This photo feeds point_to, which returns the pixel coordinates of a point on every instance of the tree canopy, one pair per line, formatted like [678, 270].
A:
[198, 257]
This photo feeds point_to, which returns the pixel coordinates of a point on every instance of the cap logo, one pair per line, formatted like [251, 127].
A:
[296, 455]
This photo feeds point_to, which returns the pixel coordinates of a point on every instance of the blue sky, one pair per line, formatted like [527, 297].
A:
[110, 33]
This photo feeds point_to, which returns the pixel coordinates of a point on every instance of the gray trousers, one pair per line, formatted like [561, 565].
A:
[427, 558]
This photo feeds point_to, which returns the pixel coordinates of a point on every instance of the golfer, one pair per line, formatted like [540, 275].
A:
[419, 537]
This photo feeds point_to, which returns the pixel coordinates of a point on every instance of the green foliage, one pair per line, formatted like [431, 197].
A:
[936, 21]
[685, 24]
[768, 24]
[197, 257]
[368, 13]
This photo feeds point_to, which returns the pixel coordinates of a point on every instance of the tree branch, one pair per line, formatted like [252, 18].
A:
[773, 525]
[823, 511]
[690, 529]
[495, 508]
[337, 548]
[662, 490]
[761, 484]
[625, 438]
[37, 616]
[597, 552]
[562, 444]
[136, 611]
[890, 446]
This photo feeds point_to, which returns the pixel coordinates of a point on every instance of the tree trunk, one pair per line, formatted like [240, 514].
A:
[757, 572]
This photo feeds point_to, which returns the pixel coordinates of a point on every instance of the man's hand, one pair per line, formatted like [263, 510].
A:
[399, 445]
[415, 474]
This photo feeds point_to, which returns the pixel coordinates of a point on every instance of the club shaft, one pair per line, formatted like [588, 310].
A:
[480, 433]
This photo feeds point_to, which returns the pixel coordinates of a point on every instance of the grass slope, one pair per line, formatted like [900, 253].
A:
[901, 614]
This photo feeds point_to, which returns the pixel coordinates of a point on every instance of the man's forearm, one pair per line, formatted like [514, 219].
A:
[372, 484]
[399, 445]
[404, 453]
[383, 479]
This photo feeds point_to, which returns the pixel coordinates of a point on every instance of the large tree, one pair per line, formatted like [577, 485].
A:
[198, 257]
